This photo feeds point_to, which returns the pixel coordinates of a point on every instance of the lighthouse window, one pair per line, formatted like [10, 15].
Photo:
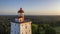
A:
[22, 25]
[29, 30]
[26, 27]
[22, 33]
[26, 32]
[20, 19]
[25, 24]
[29, 23]
[18, 32]
[15, 24]
[15, 32]
[11, 31]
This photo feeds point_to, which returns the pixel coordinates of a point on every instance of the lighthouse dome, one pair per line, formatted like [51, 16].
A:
[20, 11]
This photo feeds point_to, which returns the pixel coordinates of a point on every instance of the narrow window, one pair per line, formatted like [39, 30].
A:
[15, 24]
[25, 24]
[29, 23]
[22, 33]
[22, 25]
[11, 31]
[26, 32]
[26, 27]
[29, 30]
[15, 28]
[20, 19]
[15, 32]
[18, 32]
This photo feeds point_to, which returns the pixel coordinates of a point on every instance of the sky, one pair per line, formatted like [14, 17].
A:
[30, 7]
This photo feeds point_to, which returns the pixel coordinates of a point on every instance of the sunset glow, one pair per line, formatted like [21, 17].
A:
[31, 7]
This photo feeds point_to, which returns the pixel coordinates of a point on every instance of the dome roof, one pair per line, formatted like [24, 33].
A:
[20, 11]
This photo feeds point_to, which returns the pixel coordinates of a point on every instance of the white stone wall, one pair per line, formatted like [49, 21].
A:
[25, 28]
[22, 28]
[15, 28]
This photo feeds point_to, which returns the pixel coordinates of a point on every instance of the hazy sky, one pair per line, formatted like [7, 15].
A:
[30, 7]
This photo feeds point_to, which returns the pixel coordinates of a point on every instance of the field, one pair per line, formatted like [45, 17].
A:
[57, 30]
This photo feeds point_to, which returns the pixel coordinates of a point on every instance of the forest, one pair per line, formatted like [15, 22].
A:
[40, 24]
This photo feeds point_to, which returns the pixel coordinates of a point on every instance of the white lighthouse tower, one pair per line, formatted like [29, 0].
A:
[20, 25]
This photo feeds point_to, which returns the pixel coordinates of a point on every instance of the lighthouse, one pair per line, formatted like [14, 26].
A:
[20, 25]
[21, 15]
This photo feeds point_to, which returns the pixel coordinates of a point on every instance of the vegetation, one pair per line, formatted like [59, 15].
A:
[39, 25]
[42, 29]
